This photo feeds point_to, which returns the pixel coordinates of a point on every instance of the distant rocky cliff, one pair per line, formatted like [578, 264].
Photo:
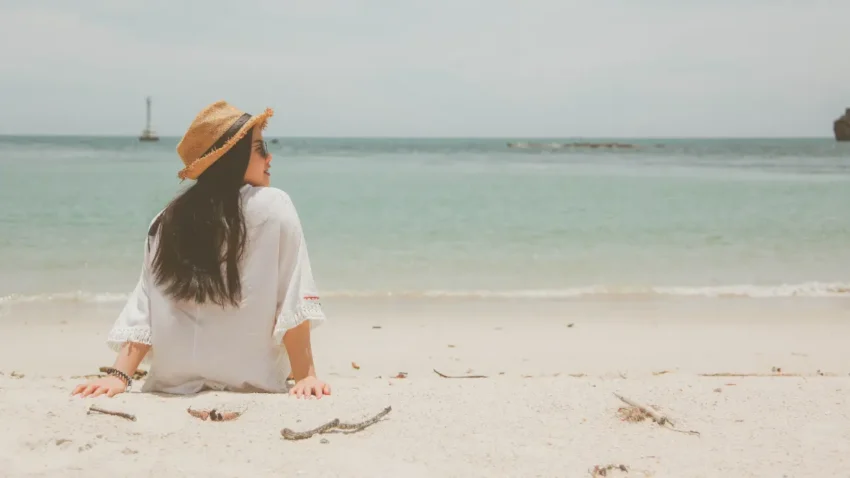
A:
[841, 127]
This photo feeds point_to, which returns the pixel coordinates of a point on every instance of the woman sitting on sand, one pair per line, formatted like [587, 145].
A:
[226, 298]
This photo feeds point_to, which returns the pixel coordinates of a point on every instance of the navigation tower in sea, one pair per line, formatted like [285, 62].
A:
[148, 134]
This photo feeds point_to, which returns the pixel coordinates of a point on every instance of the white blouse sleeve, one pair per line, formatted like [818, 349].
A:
[297, 297]
[134, 322]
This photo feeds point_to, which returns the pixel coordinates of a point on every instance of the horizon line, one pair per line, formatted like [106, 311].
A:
[643, 138]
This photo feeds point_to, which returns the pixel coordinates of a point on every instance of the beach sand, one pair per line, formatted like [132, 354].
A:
[547, 407]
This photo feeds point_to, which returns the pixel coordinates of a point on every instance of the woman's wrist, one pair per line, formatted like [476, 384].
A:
[124, 377]
[299, 377]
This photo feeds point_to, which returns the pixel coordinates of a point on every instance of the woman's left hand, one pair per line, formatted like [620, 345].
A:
[310, 386]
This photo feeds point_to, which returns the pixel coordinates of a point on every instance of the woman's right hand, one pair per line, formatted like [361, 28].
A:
[109, 386]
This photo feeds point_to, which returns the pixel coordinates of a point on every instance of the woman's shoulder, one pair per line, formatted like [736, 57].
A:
[264, 203]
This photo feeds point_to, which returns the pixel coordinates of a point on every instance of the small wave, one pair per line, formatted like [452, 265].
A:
[810, 289]
[79, 296]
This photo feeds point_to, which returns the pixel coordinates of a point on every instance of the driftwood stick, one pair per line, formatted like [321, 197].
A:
[330, 426]
[655, 415]
[290, 434]
[356, 427]
[458, 376]
[95, 409]
[741, 375]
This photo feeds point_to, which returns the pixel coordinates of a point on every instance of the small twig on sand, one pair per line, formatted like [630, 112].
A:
[656, 417]
[458, 376]
[356, 427]
[726, 374]
[96, 409]
[290, 434]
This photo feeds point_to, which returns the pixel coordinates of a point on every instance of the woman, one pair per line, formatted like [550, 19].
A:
[226, 298]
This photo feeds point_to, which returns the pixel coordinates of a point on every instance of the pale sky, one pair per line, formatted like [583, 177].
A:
[506, 68]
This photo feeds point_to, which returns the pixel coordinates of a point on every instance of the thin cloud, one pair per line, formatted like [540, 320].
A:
[465, 68]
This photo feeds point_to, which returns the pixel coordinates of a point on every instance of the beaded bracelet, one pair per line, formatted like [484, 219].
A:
[117, 373]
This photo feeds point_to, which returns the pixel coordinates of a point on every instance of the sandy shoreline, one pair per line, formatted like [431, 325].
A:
[546, 409]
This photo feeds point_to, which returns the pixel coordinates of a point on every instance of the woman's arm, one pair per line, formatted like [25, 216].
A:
[130, 336]
[127, 361]
[298, 347]
[298, 306]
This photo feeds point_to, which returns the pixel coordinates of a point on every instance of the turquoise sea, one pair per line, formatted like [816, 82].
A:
[459, 217]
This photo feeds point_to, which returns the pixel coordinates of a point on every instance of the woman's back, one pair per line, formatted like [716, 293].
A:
[238, 348]
[226, 297]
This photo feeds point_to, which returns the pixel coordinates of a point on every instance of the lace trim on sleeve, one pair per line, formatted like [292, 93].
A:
[118, 336]
[311, 311]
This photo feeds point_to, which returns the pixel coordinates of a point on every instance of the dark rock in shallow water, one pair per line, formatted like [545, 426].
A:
[559, 146]
[841, 127]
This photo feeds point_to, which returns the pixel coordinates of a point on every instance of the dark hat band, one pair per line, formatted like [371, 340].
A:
[234, 128]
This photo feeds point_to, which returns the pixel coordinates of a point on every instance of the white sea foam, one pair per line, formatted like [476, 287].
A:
[809, 289]
[66, 297]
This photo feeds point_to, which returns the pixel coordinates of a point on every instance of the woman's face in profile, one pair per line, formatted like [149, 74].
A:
[258, 173]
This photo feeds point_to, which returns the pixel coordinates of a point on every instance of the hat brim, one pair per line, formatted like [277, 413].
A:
[201, 164]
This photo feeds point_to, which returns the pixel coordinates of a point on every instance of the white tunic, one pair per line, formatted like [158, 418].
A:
[193, 346]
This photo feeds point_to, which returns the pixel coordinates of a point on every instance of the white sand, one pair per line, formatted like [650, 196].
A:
[530, 418]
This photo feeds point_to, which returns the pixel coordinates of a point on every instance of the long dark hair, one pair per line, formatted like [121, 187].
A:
[202, 233]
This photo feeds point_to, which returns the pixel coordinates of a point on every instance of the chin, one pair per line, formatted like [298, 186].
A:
[266, 182]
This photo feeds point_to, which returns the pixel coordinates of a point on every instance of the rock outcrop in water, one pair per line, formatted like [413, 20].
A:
[841, 127]
[558, 146]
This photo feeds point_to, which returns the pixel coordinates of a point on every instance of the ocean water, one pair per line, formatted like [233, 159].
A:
[459, 217]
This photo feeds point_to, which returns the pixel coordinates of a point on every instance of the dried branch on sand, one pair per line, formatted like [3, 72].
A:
[458, 376]
[95, 409]
[652, 413]
[777, 374]
[214, 415]
[290, 434]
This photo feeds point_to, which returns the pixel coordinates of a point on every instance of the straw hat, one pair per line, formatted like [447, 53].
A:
[213, 123]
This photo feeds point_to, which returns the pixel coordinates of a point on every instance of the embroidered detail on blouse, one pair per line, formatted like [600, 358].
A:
[307, 311]
[311, 311]
[118, 336]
